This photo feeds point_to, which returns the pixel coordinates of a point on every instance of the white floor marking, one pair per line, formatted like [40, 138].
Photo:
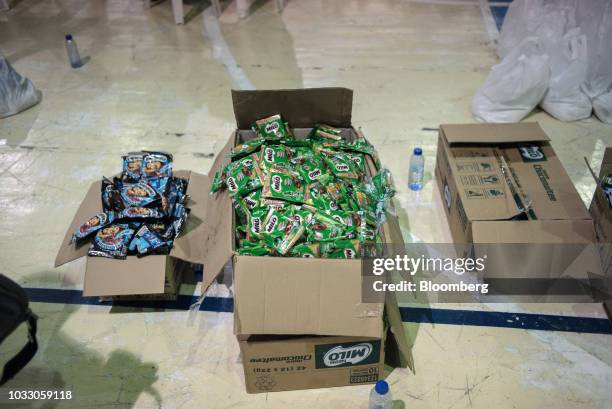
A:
[222, 52]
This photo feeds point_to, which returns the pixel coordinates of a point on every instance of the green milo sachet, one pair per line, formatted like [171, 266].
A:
[243, 176]
[283, 184]
[341, 249]
[272, 128]
[273, 155]
[246, 147]
[305, 250]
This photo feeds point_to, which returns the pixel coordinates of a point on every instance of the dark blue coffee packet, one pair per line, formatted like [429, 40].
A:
[140, 213]
[112, 241]
[139, 194]
[157, 165]
[147, 242]
[92, 225]
[133, 163]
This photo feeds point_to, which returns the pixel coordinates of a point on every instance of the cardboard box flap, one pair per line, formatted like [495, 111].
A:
[109, 277]
[496, 182]
[600, 204]
[493, 133]
[217, 237]
[502, 207]
[607, 160]
[533, 231]
[547, 185]
[90, 206]
[277, 295]
[606, 166]
[216, 241]
[393, 235]
[302, 108]
[187, 246]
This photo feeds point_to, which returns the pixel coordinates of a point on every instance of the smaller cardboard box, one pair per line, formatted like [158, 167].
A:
[601, 210]
[503, 183]
[154, 276]
[281, 363]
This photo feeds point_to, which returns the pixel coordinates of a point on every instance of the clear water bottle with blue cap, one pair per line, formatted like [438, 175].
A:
[380, 396]
[73, 52]
[417, 168]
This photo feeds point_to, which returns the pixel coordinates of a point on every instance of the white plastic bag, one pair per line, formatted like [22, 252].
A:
[17, 93]
[548, 20]
[594, 17]
[553, 20]
[602, 105]
[514, 86]
[568, 69]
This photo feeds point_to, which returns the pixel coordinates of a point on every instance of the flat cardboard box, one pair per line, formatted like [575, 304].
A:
[292, 296]
[154, 276]
[601, 211]
[281, 363]
[487, 172]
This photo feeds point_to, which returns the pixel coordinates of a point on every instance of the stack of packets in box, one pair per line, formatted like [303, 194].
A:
[304, 197]
[143, 209]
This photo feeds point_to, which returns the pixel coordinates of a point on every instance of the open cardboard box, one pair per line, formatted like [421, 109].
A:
[503, 183]
[294, 296]
[154, 276]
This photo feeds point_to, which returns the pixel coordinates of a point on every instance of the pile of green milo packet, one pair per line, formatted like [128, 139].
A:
[308, 197]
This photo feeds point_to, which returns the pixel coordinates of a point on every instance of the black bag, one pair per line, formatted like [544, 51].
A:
[14, 310]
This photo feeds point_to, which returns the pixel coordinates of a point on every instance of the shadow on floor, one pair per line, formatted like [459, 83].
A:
[95, 379]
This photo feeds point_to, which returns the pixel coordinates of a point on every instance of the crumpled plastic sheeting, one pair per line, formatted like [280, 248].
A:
[565, 99]
[17, 93]
[514, 86]
[576, 36]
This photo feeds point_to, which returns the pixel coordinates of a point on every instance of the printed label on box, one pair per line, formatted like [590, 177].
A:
[473, 167]
[447, 195]
[363, 375]
[265, 383]
[494, 193]
[478, 180]
[474, 193]
[532, 153]
[354, 353]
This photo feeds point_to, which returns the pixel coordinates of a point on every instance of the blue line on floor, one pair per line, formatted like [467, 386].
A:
[182, 302]
[507, 320]
[540, 322]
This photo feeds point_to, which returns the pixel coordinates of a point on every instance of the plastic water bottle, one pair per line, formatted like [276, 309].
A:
[73, 52]
[380, 397]
[417, 167]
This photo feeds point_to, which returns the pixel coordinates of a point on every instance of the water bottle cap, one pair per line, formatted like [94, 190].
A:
[68, 37]
[382, 387]
[418, 151]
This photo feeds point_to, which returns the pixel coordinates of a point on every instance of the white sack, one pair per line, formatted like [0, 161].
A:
[568, 69]
[514, 86]
[594, 17]
[548, 20]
